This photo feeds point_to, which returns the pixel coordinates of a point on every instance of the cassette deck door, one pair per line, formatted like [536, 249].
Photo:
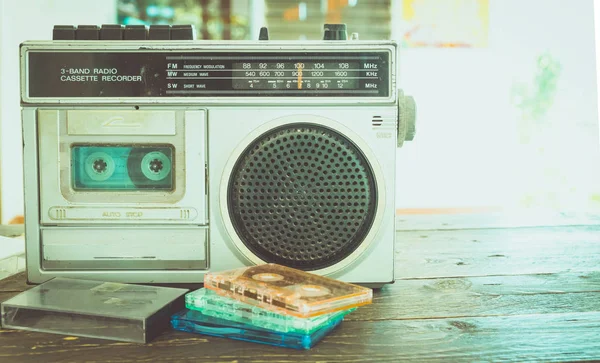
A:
[122, 166]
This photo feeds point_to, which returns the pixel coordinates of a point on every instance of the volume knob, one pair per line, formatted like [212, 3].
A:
[407, 118]
[264, 33]
[335, 32]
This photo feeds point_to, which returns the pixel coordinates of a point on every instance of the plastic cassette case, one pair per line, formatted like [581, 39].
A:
[95, 309]
[194, 321]
[211, 304]
[288, 291]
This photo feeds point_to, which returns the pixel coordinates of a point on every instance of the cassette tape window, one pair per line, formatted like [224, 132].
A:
[120, 167]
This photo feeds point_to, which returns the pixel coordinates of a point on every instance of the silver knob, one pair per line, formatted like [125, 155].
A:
[407, 117]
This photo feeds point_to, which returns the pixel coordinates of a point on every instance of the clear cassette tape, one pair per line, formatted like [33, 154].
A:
[212, 304]
[193, 321]
[116, 167]
[287, 291]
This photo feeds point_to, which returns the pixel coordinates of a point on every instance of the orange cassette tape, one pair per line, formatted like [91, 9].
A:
[287, 291]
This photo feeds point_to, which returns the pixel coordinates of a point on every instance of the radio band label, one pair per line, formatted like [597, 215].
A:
[136, 74]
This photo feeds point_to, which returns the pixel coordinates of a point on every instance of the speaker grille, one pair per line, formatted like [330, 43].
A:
[303, 196]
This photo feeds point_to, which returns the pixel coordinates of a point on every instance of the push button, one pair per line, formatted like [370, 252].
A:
[87, 32]
[111, 32]
[159, 32]
[183, 32]
[135, 32]
[127, 32]
[63, 32]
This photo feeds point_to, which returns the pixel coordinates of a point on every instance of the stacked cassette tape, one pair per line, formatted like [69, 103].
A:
[269, 304]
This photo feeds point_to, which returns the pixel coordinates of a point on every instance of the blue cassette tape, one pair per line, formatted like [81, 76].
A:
[117, 167]
[194, 321]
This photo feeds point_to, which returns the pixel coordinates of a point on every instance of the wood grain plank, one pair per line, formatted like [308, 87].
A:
[477, 296]
[426, 254]
[547, 337]
[516, 251]
[16, 282]
[484, 296]
[429, 315]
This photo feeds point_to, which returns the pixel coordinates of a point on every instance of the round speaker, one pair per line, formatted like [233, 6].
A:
[302, 195]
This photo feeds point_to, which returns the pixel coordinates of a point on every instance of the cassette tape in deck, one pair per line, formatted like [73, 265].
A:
[122, 167]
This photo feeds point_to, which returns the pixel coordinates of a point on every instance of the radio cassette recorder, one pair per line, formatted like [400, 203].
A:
[154, 158]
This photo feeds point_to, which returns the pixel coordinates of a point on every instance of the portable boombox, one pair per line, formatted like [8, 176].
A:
[153, 158]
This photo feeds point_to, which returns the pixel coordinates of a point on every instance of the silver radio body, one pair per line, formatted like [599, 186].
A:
[156, 162]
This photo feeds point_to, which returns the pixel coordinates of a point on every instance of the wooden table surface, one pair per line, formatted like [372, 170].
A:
[519, 294]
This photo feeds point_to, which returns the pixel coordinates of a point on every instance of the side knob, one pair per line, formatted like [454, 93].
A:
[407, 118]
[411, 117]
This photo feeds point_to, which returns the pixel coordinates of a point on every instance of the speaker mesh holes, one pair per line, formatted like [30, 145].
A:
[312, 194]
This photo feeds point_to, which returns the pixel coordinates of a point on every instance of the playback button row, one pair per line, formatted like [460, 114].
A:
[124, 32]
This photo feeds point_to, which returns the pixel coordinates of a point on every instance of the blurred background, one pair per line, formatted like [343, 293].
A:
[506, 90]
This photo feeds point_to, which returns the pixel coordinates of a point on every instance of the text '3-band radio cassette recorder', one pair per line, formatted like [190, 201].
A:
[152, 157]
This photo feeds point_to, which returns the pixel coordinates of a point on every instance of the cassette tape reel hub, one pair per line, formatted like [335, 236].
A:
[192, 157]
[99, 166]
